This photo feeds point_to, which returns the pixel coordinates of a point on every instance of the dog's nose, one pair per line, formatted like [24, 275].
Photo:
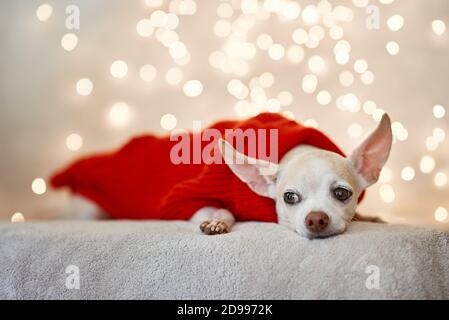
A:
[316, 221]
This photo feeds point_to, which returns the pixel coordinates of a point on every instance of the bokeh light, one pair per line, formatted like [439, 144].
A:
[120, 115]
[74, 142]
[84, 87]
[193, 88]
[148, 73]
[169, 122]
[18, 217]
[119, 69]
[441, 214]
[44, 12]
[427, 164]
[39, 186]
[439, 27]
[69, 41]
[387, 193]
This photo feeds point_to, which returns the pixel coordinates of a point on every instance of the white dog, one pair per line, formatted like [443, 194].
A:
[316, 191]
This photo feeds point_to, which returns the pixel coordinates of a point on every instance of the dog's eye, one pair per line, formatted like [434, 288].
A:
[342, 194]
[292, 198]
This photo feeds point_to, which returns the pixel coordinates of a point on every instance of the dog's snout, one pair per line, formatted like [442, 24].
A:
[316, 221]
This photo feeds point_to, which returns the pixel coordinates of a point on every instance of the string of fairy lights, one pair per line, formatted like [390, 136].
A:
[254, 94]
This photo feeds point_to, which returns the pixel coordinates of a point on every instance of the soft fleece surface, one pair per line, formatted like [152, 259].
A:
[166, 260]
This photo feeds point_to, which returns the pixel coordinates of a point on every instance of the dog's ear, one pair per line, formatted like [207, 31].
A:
[369, 158]
[259, 175]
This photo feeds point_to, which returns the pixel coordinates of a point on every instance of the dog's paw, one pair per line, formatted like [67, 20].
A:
[214, 227]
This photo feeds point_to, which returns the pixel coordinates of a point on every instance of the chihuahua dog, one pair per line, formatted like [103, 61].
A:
[316, 191]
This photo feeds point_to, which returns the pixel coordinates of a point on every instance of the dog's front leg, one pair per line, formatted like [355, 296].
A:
[213, 221]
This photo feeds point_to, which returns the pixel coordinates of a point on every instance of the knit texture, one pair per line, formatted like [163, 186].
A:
[140, 181]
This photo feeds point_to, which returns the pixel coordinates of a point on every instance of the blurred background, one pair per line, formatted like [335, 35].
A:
[82, 76]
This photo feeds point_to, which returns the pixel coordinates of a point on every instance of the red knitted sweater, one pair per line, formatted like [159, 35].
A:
[139, 181]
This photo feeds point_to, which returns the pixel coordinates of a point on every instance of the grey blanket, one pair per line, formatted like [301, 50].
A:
[172, 260]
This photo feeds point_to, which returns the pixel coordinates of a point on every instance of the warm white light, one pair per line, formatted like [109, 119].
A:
[158, 18]
[316, 64]
[336, 32]
[300, 36]
[439, 111]
[266, 80]
[309, 83]
[441, 214]
[193, 88]
[44, 12]
[39, 186]
[238, 89]
[17, 218]
[408, 174]
[84, 87]
[346, 78]
[264, 41]
[225, 10]
[119, 115]
[145, 28]
[295, 54]
[367, 77]
[178, 50]
[427, 164]
[243, 108]
[439, 27]
[399, 131]
[69, 41]
[119, 69]
[291, 10]
[311, 123]
[171, 21]
[174, 76]
[169, 122]
[360, 66]
[276, 52]
[222, 28]
[342, 57]
[351, 102]
[74, 142]
[285, 98]
[439, 135]
[310, 14]
[440, 179]
[387, 193]
[369, 107]
[324, 98]
[431, 144]
[393, 48]
[378, 114]
[148, 73]
[273, 105]
[288, 114]
[395, 23]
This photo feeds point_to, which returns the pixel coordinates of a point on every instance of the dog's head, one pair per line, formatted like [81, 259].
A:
[316, 191]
